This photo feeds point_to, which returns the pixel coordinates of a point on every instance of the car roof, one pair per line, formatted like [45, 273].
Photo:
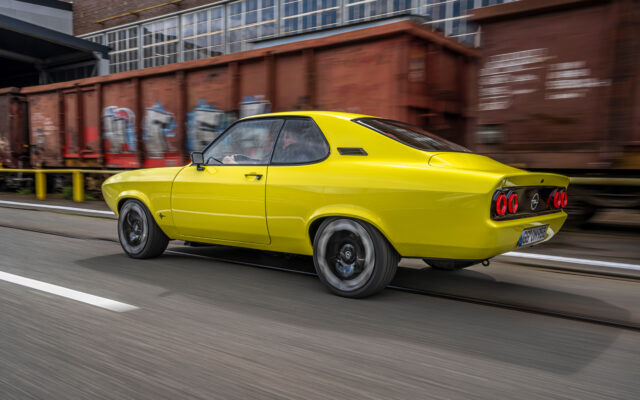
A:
[335, 114]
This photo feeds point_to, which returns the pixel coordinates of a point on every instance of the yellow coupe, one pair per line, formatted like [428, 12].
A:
[356, 192]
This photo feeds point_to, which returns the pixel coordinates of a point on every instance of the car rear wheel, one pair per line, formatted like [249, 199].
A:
[140, 236]
[352, 258]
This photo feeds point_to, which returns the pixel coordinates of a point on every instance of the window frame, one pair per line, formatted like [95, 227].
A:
[227, 132]
[324, 138]
[284, 118]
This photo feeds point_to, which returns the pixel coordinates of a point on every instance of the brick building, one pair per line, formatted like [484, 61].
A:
[147, 33]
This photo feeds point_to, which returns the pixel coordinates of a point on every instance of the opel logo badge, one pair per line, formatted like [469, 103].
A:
[534, 201]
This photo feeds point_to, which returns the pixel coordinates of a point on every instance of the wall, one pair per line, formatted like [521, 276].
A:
[86, 12]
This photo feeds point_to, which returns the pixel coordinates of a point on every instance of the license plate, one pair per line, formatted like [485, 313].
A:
[532, 235]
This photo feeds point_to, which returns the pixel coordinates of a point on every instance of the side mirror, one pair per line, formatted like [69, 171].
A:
[198, 159]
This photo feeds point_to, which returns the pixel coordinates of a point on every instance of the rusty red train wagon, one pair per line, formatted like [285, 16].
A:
[559, 85]
[14, 133]
[153, 117]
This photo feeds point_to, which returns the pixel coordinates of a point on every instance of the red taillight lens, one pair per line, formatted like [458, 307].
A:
[513, 203]
[564, 199]
[557, 199]
[501, 204]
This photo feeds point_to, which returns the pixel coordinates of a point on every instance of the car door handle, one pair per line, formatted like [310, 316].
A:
[258, 176]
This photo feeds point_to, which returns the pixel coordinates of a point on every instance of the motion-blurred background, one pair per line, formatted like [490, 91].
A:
[549, 85]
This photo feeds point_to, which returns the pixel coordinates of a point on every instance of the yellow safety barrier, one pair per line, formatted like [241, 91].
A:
[77, 178]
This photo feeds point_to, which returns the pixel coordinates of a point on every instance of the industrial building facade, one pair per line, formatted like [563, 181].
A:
[160, 33]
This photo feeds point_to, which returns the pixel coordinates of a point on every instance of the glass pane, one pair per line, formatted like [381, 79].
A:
[248, 142]
[411, 135]
[202, 28]
[300, 142]
[251, 17]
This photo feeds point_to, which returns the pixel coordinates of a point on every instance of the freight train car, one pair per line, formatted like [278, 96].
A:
[559, 90]
[154, 117]
[14, 133]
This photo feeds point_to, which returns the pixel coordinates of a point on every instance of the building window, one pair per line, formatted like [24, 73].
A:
[124, 49]
[450, 17]
[363, 10]
[308, 15]
[95, 38]
[250, 20]
[160, 42]
[203, 34]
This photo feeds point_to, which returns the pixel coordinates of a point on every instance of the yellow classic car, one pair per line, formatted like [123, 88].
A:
[356, 192]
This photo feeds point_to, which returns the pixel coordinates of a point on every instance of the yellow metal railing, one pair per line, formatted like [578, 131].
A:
[77, 178]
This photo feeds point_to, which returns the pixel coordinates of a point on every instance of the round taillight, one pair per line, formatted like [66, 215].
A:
[513, 203]
[551, 197]
[501, 204]
[564, 199]
[557, 199]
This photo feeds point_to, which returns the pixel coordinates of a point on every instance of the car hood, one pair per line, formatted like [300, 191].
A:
[469, 161]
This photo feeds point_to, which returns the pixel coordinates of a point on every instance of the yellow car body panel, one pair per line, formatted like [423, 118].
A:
[427, 204]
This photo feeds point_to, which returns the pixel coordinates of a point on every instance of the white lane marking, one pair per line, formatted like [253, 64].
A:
[84, 210]
[68, 293]
[573, 260]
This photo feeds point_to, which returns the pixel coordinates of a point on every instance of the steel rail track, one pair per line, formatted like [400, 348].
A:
[465, 299]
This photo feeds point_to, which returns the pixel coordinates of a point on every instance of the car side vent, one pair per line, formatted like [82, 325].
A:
[352, 151]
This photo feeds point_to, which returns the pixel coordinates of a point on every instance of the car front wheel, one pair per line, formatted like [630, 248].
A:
[352, 258]
[140, 236]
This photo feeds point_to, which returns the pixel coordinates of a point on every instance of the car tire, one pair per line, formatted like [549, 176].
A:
[449, 265]
[139, 234]
[352, 258]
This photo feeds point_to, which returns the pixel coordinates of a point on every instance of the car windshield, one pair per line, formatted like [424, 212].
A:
[411, 135]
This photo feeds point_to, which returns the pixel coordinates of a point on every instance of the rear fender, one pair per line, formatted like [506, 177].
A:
[350, 211]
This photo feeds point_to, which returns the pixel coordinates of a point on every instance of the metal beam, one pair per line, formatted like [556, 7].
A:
[20, 57]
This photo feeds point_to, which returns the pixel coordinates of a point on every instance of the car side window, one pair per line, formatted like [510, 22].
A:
[301, 141]
[247, 142]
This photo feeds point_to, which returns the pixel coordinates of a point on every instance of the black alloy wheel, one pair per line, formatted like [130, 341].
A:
[352, 258]
[140, 236]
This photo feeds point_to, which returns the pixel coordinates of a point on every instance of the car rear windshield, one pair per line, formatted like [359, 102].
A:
[410, 135]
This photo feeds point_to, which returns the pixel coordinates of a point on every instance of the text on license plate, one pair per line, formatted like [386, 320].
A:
[532, 235]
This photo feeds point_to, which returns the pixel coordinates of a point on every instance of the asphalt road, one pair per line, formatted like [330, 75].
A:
[206, 329]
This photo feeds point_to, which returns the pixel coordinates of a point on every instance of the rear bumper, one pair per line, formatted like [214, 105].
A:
[489, 239]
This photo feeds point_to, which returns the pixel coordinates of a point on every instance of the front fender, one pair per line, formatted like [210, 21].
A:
[136, 195]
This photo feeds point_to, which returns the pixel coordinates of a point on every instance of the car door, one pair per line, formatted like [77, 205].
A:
[299, 182]
[225, 200]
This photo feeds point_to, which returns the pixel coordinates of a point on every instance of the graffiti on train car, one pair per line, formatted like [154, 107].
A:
[253, 105]
[204, 123]
[44, 130]
[119, 134]
[159, 125]
[119, 130]
[504, 77]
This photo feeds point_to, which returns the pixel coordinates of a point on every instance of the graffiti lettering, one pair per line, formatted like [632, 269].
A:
[254, 105]
[159, 124]
[204, 124]
[119, 130]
